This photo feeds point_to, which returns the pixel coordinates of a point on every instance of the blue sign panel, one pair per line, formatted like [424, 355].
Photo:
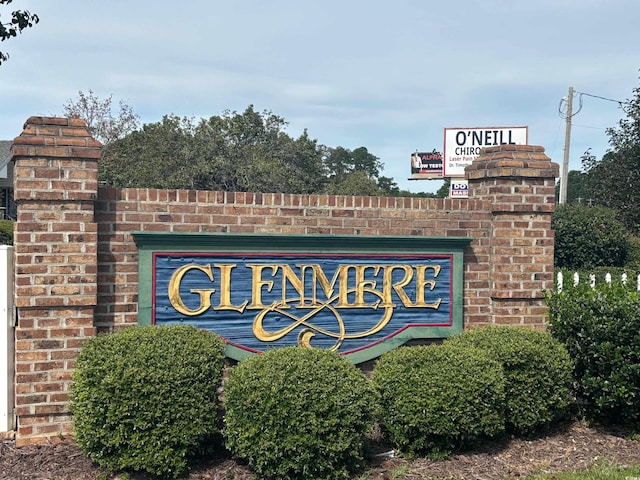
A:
[357, 295]
[342, 302]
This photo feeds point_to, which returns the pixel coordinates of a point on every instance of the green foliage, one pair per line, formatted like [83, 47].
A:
[232, 152]
[587, 237]
[537, 371]
[614, 181]
[298, 413]
[444, 190]
[241, 152]
[354, 183]
[20, 20]
[145, 398]
[577, 186]
[633, 253]
[6, 232]
[438, 397]
[160, 155]
[596, 472]
[342, 161]
[601, 330]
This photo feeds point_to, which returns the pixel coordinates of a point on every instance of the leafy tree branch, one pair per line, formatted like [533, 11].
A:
[20, 20]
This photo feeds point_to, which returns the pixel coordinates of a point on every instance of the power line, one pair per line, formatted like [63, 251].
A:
[567, 116]
[563, 100]
[587, 126]
[571, 113]
[619, 102]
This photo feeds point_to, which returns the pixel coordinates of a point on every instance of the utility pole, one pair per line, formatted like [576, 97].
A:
[567, 143]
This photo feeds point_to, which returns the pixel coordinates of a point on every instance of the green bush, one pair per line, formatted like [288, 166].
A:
[600, 328]
[587, 237]
[537, 371]
[633, 254]
[438, 397]
[6, 232]
[298, 413]
[145, 398]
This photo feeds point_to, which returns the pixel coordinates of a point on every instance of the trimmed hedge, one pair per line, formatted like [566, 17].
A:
[298, 413]
[6, 232]
[145, 398]
[438, 397]
[537, 371]
[587, 237]
[600, 328]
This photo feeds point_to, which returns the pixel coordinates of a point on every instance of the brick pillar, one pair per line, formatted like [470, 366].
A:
[56, 181]
[518, 181]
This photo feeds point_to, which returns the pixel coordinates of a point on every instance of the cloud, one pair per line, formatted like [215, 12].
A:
[386, 75]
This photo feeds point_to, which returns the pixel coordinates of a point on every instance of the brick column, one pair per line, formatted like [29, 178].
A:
[518, 181]
[56, 181]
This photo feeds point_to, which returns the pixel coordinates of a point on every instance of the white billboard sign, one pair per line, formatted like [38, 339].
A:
[463, 145]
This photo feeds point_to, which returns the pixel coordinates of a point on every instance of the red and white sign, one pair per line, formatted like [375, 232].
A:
[463, 145]
[459, 188]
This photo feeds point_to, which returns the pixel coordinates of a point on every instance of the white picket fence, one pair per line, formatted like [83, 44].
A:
[7, 347]
[592, 280]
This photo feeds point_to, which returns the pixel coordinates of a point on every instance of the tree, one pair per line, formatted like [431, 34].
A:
[445, 188]
[160, 155]
[614, 181]
[341, 161]
[577, 188]
[240, 152]
[20, 20]
[389, 187]
[99, 117]
[253, 152]
[357, 172]
[357, 182]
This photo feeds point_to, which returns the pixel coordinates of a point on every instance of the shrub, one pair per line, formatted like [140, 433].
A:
[438, 397]
[537, 371]
[600, 328]
[6, 232]
[633, 254]
[587, 237]
[298, 413]
[145, 398]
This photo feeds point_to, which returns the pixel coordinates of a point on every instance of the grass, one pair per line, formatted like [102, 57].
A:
[599, 472]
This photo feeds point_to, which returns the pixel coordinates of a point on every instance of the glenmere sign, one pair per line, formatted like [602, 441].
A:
[360, 296]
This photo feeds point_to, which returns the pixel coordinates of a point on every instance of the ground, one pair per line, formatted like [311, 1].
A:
[573, 446]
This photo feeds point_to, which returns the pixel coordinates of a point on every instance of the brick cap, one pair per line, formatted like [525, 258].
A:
[56, 137]
[512, 161]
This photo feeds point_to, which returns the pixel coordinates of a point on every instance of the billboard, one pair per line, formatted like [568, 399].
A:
[426, 165]
[463, 145]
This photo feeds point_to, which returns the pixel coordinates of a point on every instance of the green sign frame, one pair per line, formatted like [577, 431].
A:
[151, 244]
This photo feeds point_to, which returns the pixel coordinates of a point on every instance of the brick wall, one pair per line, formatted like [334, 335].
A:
[76, 262]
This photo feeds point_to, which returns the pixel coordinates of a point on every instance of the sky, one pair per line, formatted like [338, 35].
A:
[386, 75]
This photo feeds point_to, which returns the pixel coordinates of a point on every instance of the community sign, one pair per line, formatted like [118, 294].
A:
[463, 145]
[358, 296]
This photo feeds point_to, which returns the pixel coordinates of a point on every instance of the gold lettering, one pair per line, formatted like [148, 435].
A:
[296, 282]
[362, 284]
[174, 290]
[257, 283]
[421, 282]
[319, 278]
[398, 287]
[225, 289]
[365, 280]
